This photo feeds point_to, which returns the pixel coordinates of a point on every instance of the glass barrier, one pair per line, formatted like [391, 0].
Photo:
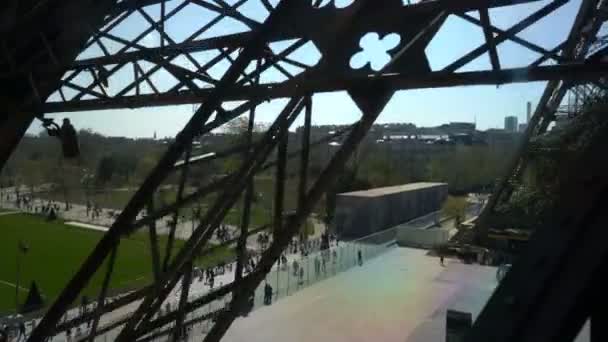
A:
[299, 272]
[302, 271]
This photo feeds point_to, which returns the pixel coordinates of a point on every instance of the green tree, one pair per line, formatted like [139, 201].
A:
[144, 165]
[126, 165]
[455, 207]
[32, 173]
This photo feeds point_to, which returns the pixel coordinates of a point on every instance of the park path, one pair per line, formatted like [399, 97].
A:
[77, 216]
[21, 288]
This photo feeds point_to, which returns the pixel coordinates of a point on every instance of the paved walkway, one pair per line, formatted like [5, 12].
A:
[87, 226]
[402, 295]
[77, 216]
[6, 283]
[285, 281]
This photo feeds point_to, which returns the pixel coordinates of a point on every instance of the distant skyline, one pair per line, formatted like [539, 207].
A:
[487, 105]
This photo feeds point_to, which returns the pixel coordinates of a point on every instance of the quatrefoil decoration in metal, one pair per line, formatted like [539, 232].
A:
[375, 51]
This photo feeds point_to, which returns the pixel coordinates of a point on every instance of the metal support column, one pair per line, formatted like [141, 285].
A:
[155, 178]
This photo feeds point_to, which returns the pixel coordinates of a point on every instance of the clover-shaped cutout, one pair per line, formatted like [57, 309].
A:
[374, 50]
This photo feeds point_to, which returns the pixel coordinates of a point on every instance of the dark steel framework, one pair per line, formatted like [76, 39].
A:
[583, 44]
[101, 82]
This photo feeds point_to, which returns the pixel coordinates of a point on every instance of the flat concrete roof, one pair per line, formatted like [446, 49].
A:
[376, 192]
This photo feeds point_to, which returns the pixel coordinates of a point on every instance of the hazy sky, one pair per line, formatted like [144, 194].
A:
[487, 105]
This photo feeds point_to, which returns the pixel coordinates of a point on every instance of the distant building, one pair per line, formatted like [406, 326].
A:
[522, 127]
[511, 124]
[500, 138]
[461, 127]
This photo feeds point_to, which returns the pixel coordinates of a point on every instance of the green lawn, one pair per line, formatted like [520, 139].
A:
[56, 251]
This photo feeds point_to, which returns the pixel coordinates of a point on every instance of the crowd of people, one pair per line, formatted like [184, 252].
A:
[223, 234]
[297, 249]
[294, 255]
[15, 332]
[93, 210]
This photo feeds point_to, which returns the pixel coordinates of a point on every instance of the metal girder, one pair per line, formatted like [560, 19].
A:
[485, 22]
[438, 79]
[385, 19]
[554, 286]
[371, 105]
[137, 202]
[27, 49]
[238, 39]
[582, 35]
[209, 223]
[336, 34]
[241, 248]
[371, 100]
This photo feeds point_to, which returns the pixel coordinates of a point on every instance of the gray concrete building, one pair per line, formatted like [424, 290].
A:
[511, 124]
[361, 213]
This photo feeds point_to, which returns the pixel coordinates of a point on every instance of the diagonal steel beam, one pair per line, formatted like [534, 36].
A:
[553, 54]
[209, 223]
[585, 28]
[520, 26]
[489, 36]
[178, 197]
[228, 11]
[371, 105]
[157, 175]
[437, 79]
[101, 299]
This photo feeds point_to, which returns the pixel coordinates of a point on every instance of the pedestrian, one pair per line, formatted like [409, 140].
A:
[3, 335]
[77, 334]
[317, 266]
[21, 330]
[296, 266]
[84, 305]
[250, 303]
[441, 259]
[301, 276]
[267, 294]
[359, 258]
[187, 332]
[323, 266]
[68, 335]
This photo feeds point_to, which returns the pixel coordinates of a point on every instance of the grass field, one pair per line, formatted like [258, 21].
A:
[57, 250]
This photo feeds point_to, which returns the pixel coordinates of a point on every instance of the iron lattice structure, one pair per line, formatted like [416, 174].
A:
[40, 64]
[585, 43]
